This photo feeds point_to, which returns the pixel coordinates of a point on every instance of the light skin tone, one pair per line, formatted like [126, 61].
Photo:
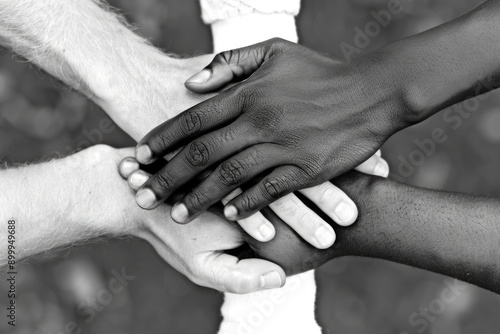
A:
[139, 87]
[298, 135]
[449, 233]
[356, 240]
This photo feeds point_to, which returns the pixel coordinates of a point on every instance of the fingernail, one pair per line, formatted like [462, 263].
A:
[230, 212]
[127, 166]
[325, 237]
[345, 212]
[137, 179]
[143, 154]
[266, 231]
[200, 77]
[146, 198]
[271, 280]
[180, 213]
[382, 168]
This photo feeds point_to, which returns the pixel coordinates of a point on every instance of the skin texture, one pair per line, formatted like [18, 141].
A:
[139, 87]
[300, 132]
[448, 233]
[135, 83]
[299, 135]
[53, 208]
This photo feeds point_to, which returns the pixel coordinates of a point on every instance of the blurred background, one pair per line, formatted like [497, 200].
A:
[361, 296]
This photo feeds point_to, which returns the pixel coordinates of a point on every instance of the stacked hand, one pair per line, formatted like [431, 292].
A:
[294, 136]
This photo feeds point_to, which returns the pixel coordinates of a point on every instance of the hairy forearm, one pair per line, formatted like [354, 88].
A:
[452, 234]
[53, 208]
[91, 49]
[78, 42]
[443, 66]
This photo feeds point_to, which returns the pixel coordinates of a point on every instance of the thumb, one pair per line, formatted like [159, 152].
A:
[229, 274]
[229, 66]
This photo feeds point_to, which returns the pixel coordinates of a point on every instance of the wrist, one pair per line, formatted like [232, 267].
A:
[101, 200]
[149, 90]
[381, 80]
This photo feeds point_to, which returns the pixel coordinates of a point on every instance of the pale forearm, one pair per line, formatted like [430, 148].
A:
[90, 49]
[76, 41]
[64, 201]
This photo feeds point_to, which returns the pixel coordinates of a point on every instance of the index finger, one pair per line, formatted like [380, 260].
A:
[190, 124]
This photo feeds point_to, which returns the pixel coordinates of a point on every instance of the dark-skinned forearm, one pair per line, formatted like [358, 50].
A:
[452, 234]
[442, 66]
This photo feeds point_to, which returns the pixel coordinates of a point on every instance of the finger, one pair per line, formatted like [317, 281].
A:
[378, 153]
[137, 179]
[257, 226]
[228, 66]
[304, 221]
[376, 165]
[227, 273]
[280, 182]
[192, 123]
[226, 177]
[127, 166]
[334, 202]
[196, 157]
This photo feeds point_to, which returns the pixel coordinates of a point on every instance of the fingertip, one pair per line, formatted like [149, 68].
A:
[382, 168]
[346, 213]
[180, 213]
[325, 236]
[266, 232]
[137, 179]
[231, 212]
[127, 166]
[146, 199]
[200, 78]
[144, 154]
[272, 280]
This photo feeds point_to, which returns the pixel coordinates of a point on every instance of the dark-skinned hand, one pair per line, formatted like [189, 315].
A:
[299, 119]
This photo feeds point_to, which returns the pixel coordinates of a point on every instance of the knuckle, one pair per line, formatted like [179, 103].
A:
[325, 194]
[198, 154]
[270, 117]
[278, 43]
[191, 122]
[312, 169]
[249, 202]
[163, 141]
[162, 180]
[196, 200]
[275, 188]
[307, 222]
[223, 58]
[239, 284]
[231, 172]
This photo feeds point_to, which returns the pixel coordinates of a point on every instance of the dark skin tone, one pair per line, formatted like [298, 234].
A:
[301, 118]
[453, 234]
[297, 135]
[448, 233]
